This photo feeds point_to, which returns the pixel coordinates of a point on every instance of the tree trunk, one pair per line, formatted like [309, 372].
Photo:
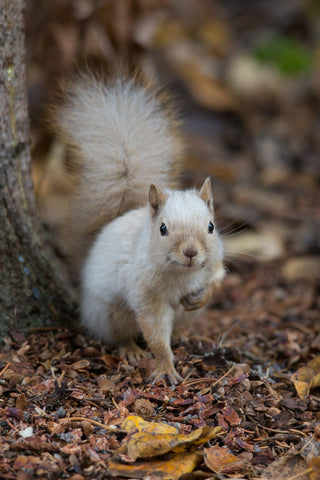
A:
[30, 291]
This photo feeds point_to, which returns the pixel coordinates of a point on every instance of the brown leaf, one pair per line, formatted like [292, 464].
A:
[231, 416]
[21, 402]
[111, 361]
[222, 422]
[307, 377]
[80, 364]
[290, 465]
[105, 385]
[220, 460]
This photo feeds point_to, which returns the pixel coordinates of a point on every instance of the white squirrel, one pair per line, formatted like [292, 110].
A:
[151, 256]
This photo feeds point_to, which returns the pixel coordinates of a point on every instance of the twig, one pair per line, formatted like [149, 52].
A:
[191, 371]
[299, 433]
[274, 430]
[209, 379]
[94, 422]
[11, 425]
[308, 470]
[304, 446]
[4, 369]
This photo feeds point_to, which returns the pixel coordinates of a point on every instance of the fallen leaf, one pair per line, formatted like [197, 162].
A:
[21, 402]
[105, 385]
[220, 460]
[133, 422]
[168, 469]
[222, 422]
[151, 444]
[314, 464]
[111, 361]
[289, 465]
[80, 364]
[307, 377]
[231, 416]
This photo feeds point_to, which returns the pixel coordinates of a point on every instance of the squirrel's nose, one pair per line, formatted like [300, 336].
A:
[190, 252]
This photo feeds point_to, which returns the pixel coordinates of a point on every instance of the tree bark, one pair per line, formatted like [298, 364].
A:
[31, 292]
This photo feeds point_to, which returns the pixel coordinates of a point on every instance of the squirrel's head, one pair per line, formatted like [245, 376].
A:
[184, 229]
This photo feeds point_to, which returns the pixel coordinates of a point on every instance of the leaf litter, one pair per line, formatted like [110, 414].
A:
[70, 405]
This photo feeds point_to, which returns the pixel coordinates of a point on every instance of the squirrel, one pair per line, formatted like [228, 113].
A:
[149, 256]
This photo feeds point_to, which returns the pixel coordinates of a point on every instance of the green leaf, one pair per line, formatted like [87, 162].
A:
[285, 54]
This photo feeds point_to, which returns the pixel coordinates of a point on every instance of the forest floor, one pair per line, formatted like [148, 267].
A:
[64, 396]
[247, 80]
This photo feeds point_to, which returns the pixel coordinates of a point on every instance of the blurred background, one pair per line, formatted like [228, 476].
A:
[245, 76]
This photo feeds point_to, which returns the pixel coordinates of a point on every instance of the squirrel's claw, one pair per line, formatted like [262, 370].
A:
[158, 374]
[194, 301]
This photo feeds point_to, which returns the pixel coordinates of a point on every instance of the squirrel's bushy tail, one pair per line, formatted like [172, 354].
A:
[121, 137]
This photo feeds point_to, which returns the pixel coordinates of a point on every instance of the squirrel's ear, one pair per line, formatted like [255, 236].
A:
[206, 194]
[157, 198]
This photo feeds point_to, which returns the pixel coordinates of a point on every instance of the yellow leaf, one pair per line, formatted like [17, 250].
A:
[220, 460]
[168, 469]
[314, 465]
[133, 422]
[303, 388]
[151, 444]
[207, 434]
[307, 377]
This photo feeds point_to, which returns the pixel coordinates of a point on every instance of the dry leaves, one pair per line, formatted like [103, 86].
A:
[170, 469]
[151, 442]
[220, 460]
[307, 378]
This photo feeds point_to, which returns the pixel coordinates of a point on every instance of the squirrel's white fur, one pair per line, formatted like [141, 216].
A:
[121, 135]
[151, 266]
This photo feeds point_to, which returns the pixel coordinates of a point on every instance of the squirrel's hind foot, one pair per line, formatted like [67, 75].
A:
[159, 374]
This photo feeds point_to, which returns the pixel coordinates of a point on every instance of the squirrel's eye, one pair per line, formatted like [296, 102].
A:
[210, 227]
[163, 230]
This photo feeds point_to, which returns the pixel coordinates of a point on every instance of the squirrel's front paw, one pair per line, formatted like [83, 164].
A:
[195, 301]
[169, 373]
